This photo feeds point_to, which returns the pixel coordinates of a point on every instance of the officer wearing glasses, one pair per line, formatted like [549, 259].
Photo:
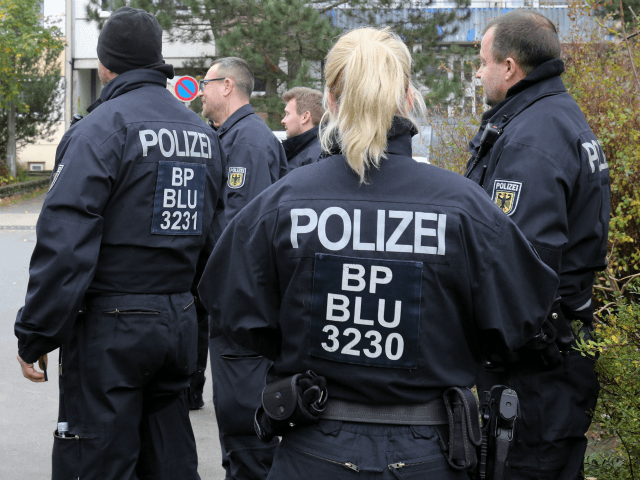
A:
[255, 160]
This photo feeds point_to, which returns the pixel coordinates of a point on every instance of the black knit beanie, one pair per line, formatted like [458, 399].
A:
[131, 39]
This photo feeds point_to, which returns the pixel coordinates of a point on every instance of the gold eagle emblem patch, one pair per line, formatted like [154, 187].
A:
[237, 177]
[506, 195]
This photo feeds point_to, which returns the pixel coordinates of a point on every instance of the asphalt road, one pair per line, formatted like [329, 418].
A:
[28, 411]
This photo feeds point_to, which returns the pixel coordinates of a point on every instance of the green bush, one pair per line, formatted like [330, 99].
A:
[22, 175]
[617, 342]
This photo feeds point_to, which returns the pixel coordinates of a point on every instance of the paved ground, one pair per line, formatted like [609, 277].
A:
[28, 411]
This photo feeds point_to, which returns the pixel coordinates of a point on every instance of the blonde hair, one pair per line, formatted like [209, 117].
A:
[368, 78]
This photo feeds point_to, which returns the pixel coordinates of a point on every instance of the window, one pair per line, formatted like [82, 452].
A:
[36, 167]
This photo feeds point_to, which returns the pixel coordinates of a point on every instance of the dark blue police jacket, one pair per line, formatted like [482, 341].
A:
[548, 172]
[303, 149]
[386, 288]
[137, 190]
[255, 158]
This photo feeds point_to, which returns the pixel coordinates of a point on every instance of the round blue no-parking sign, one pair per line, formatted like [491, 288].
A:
[186, 88]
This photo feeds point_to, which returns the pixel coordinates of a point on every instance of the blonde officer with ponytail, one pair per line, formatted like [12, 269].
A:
[371, 281]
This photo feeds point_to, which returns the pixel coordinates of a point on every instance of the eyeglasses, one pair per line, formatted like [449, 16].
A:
[204, 82]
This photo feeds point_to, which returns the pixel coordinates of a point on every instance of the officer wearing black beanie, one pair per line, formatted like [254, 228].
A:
[131, 39]
[134, 207]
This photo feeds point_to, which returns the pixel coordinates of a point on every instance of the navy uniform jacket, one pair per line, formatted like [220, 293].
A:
[548, 172]
[303, 149]
[387, 288]
[137, 190]
[255, 158]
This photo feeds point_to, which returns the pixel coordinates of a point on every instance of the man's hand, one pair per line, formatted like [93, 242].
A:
[29, 371]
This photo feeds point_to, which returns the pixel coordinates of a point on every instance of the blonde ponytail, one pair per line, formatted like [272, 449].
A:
[368, 76]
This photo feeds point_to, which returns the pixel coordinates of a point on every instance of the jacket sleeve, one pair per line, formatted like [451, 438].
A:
[69, 232]
[512, 289]
[562, 208]
[218, 223]
[540, 207]
[257, 162]
[239, 286]
[280, 166]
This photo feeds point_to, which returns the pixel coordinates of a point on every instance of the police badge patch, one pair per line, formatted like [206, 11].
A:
[506, 195]
[55, 177]
[236, 177]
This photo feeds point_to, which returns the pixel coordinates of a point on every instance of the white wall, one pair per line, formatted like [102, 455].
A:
[86, 40]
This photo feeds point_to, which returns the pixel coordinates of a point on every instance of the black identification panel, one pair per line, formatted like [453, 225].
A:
[179, 199]
[366, 311]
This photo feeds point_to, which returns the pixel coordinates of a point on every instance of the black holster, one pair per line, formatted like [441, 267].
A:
[290, 402]
[499, 415]
[460, 438]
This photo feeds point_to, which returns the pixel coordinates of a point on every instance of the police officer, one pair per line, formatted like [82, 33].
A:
[137, 190]
[255, 160]
[537, 158]
[382, 275]
[303, 112]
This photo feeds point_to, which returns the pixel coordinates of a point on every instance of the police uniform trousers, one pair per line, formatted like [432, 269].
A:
[123, 382]
[238, 377]
[555, 408]
[339, 450]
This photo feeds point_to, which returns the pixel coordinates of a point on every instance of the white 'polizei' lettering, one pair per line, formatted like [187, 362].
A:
[594, 151]
[507, 186]
[178, 152]
[424, 224]
[406, 218]
[322, 228]
[169, 143]
[296, 228]
[193, 153]
[145, 142]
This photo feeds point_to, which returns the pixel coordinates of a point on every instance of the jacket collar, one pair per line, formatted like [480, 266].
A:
[543, 81]
[294, 145]
[235, 117]
[398, 139]
[128, 81]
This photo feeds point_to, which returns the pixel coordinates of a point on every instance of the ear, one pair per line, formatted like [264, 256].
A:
[409, 99]
[513, 73]
[229, 86]
[306, 117]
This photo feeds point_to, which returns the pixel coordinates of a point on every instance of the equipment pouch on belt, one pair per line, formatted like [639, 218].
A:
[499, 415]
[290, 402]
[463, 435]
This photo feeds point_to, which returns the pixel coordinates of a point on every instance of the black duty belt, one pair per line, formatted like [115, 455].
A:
[431, 413]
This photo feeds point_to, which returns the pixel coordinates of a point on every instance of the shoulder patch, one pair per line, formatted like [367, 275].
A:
[506, 195]
[55, 177]
[237, 177]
